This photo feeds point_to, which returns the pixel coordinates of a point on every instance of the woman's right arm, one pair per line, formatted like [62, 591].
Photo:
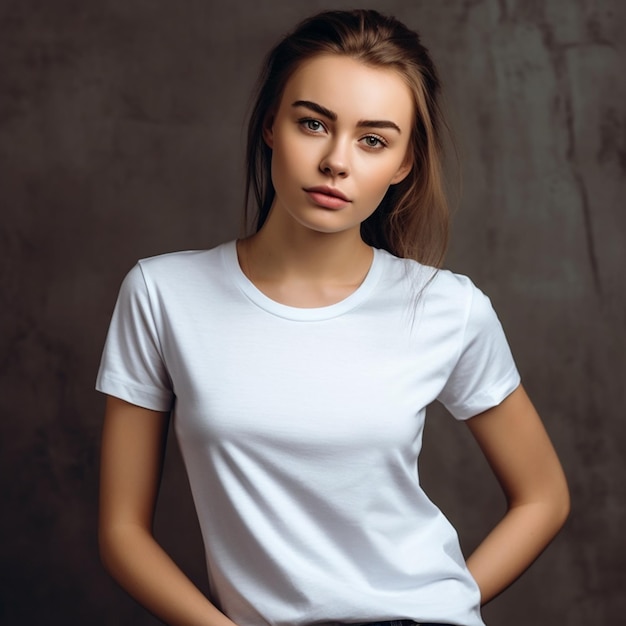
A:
[133, 446]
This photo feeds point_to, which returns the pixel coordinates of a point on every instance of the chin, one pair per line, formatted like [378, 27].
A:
[323, 227]
[326, 221]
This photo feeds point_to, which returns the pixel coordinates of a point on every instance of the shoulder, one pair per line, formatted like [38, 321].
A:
[188, 269]
[459, 289]
[434, 284]
[459, 293]
[175, 274]
[447, 299]
[182, 264]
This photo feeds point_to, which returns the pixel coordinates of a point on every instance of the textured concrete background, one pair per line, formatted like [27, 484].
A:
[121, 137]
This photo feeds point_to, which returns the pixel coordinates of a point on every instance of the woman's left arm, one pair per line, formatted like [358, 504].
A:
[519, 451]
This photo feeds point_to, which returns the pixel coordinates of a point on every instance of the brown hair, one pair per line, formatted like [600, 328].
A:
[412, 220]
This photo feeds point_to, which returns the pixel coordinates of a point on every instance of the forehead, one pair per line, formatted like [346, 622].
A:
[351, 88]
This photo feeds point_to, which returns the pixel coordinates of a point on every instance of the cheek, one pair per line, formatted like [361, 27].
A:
[376, 181]
[290, 157]
[279, 159]
[379, 178]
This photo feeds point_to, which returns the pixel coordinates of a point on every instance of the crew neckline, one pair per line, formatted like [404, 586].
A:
[303, 314]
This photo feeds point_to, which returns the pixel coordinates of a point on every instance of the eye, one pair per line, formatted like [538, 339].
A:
[374, 142]
[311, 125]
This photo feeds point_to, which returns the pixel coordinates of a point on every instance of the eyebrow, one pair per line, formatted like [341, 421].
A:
[331, 115]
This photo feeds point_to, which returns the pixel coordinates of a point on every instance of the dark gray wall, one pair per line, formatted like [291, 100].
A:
[121, 137]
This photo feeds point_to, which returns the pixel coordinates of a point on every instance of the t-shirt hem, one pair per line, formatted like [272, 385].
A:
[495, 396]
[140, 396]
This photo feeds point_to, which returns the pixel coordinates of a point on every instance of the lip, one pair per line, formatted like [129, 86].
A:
[327, 197]
[329, 191]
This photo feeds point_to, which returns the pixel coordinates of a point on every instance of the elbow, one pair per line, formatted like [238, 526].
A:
[560, 499]
[120, 544]
[556, 506]
[556, 500]
[548, 509]
[106, 548]
[115, 543]
[563, 504]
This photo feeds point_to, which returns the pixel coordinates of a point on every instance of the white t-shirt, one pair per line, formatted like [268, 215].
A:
[300, 429]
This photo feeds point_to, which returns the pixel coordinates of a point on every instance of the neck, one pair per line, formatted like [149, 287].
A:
[283, 251]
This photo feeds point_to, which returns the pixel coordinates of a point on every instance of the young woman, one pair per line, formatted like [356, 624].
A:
[297, 364]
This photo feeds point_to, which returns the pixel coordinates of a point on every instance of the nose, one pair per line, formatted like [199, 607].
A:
[335, 162]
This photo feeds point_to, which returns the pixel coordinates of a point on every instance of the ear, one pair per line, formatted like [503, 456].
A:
[403, 171]
[268, 131]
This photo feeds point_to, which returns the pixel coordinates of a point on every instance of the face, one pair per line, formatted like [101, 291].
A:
[339, 139]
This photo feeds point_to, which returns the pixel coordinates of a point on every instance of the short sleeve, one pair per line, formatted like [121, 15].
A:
[485, 372]
[132, 366]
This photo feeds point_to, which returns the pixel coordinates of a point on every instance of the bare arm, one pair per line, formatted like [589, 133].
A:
[133, 443]
[519, 451]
